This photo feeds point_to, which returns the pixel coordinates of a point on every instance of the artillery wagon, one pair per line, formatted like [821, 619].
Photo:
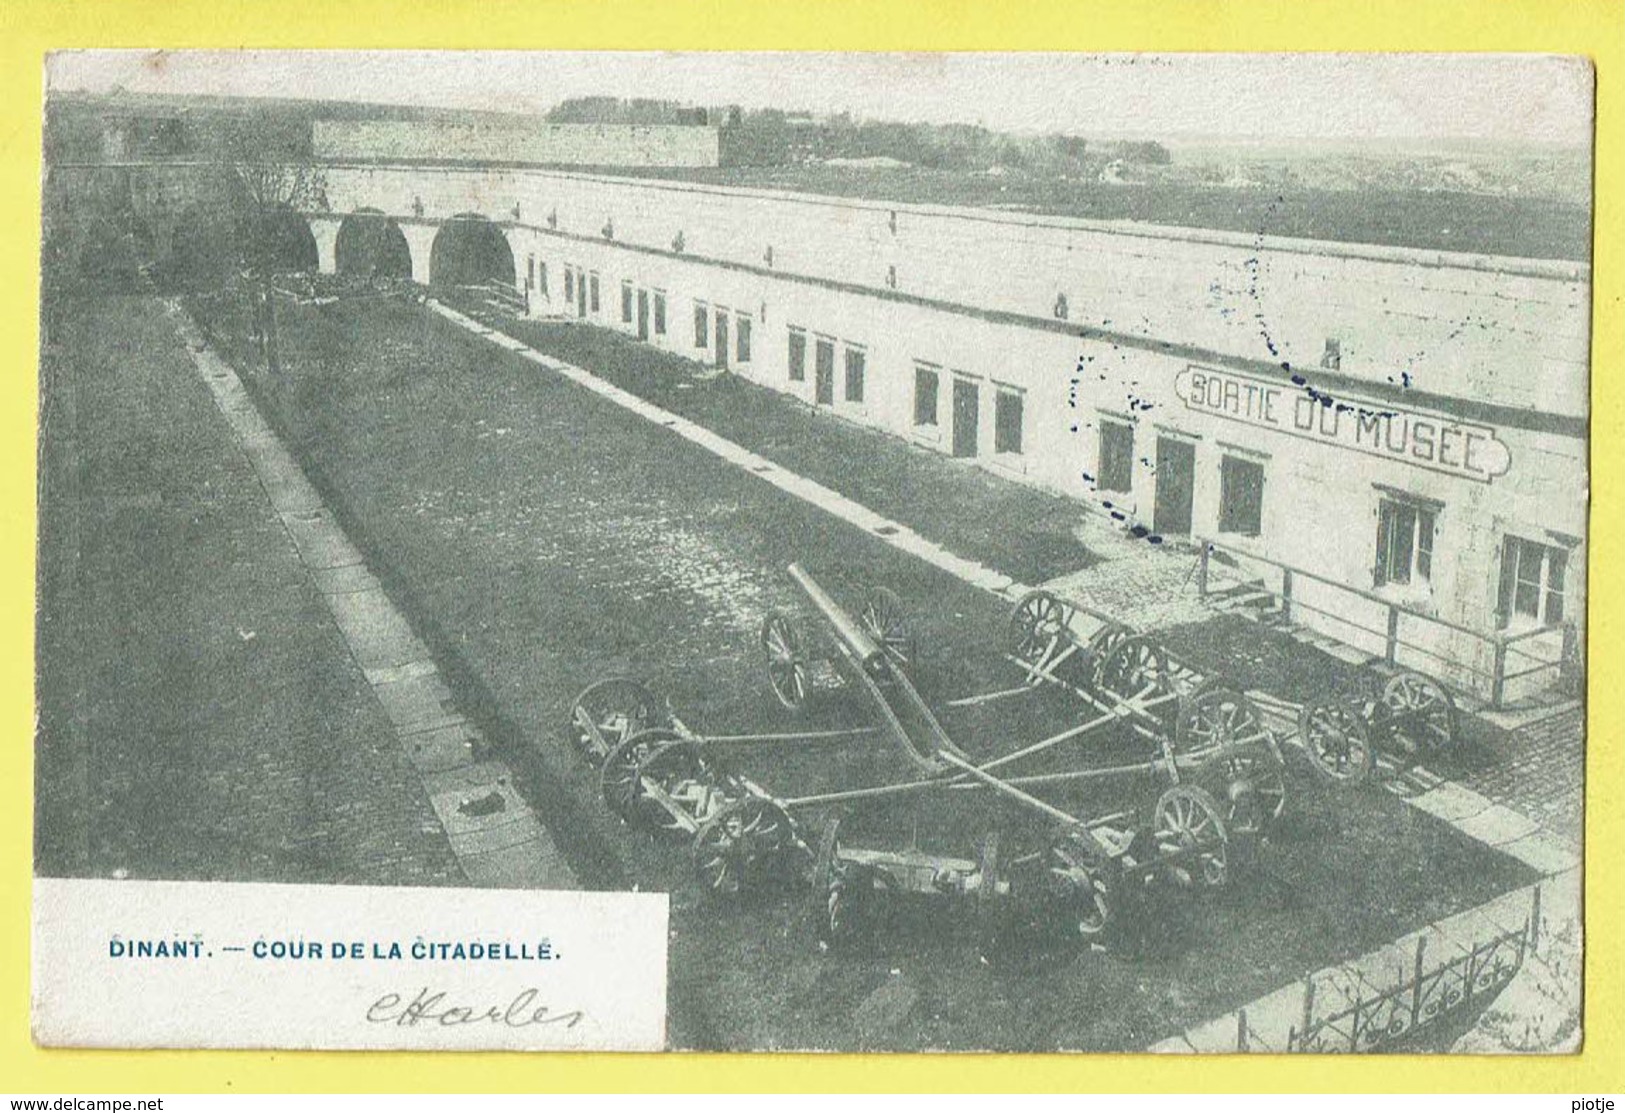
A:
[657, 773]
[1388, 717]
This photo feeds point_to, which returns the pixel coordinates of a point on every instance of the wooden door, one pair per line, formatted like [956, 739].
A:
[967, 417]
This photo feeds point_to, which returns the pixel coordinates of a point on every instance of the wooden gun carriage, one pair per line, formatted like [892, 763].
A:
[658, 774]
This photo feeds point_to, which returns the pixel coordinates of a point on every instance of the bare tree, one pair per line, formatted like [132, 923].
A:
[268, 178]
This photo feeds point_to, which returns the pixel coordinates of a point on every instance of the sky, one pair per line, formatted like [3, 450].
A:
[1524, 98]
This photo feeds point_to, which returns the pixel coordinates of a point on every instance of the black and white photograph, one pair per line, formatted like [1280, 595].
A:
[1023, 552]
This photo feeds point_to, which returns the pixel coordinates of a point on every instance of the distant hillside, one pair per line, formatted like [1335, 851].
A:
[1463, 166]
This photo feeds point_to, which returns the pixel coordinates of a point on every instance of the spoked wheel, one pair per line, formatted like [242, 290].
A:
[1218, 719]
[1104, 640]
[1038, 625]
[885, 620]
[681, 773]
[1251, 789]
[1081, 886]
[1190, 835]
[992, 897]
[1422, 716]
[1335, 737]
[608, 713]
[842, 892]
[1136, 670]
[742, 843]
[786, 663]
[620, 778]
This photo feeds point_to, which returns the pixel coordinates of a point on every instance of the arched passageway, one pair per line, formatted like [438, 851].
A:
[372, 245]
[468, 251]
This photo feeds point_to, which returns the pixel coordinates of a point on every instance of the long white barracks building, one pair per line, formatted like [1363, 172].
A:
[1392, 441]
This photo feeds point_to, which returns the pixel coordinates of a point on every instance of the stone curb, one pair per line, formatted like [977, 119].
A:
[832, 502]
[493, 833]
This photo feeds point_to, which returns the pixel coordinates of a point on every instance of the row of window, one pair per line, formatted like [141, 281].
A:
[1531, 587]
[1532, 575]
[1009, 411]
[966, 411]
[644, 308]
[713, 322]
[726, 335]
[581, 289]
[1241, 481]
[855, 363]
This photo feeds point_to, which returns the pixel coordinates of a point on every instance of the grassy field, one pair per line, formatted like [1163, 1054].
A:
[541, 538]
[1022, 531]
[200, 716]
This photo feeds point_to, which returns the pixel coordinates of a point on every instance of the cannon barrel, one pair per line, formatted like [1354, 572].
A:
[853, 637]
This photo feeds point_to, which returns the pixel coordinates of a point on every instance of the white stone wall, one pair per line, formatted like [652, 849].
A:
[1513, 331]
[973, 297]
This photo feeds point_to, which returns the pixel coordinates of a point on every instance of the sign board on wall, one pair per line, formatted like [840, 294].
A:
[1411, 437]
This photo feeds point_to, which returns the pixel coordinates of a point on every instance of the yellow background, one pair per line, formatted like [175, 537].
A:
[28, 28]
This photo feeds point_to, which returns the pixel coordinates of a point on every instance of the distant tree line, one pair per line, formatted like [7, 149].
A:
[774, 137]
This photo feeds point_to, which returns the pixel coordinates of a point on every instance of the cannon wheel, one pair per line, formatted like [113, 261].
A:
[734, 846]
[1424, 714]
[1135, 667]
[1038, 623]
[609, 712]
[842, 892]
[831, 904]
[1082, 884]
[786, 663]
[1110, 635]
[668, 763]
[1334, 735]
[992, 907]
[1187, 820]
[1216, 718]
[884, 617]
[620, 776]
[1251, 786]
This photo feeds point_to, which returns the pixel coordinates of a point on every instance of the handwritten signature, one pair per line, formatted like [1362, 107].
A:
[430, 1007]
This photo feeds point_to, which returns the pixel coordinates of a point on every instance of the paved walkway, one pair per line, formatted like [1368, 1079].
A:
[496, 838]
[1539, 769]
[1147, 586]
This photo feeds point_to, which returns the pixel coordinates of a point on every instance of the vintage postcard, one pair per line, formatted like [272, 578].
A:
[1013, 552]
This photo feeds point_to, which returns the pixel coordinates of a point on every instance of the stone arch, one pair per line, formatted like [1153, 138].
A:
[469, 250]
[372, 245]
